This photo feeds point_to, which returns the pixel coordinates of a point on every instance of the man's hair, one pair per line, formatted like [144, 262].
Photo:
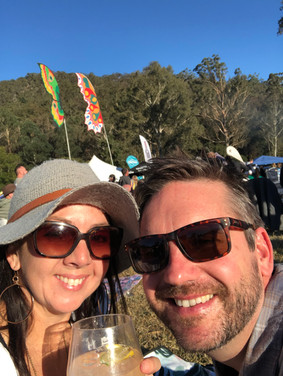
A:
[170, 169]
[124, 171]
[18, 166]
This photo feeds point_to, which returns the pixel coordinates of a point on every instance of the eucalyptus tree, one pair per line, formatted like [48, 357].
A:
[9, 128]
[271, 123]
[222, 102]
[280, 22]
[159, 105]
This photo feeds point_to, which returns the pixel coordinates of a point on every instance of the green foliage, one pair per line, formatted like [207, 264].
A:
[271, 113]
[280, 22]
[192, 111]
[8, 162]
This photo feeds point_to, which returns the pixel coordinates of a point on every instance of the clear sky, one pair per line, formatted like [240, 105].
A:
[110, 36]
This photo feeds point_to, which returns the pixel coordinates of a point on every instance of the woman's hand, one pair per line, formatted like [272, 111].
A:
[150, 365]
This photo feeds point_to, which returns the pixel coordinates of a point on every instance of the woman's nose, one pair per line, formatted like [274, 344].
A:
[80, 256]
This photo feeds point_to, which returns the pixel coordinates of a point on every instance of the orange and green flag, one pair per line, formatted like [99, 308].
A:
[52, 88]
[93, 117]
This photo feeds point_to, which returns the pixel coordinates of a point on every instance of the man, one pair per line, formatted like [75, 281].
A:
[211, 277]
[8, 192]
[20, 171]
[125, 180]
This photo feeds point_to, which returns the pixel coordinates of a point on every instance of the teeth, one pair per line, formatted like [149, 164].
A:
[193, 302]
[70, 281]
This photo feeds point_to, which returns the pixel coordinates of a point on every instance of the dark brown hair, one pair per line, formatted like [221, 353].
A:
[180, 168]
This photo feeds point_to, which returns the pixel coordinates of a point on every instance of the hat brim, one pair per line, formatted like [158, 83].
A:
[108, 197]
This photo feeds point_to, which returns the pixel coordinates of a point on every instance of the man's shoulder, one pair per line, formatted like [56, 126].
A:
[124, 180]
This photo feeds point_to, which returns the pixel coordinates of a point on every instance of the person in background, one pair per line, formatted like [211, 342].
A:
[207, 265]
[125, 180]
[20, 171]
[134, 182]
[5, 203]
[112, 178]
[63, 237]
[264, 195]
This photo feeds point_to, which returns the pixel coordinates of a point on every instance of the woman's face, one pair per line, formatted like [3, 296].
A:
[59, 286]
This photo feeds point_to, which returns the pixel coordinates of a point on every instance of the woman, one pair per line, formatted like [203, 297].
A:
[63, 237]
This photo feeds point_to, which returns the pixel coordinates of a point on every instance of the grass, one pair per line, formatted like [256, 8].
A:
[151, 331]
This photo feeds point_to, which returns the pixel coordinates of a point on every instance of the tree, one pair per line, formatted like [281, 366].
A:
[33, 145]
[280, 22]
[8, 162]
[158, 105]
[272, 112]
[9, 128]
[222, 102]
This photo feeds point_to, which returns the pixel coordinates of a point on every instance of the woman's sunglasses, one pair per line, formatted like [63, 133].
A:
[199, 242]
[59, 239]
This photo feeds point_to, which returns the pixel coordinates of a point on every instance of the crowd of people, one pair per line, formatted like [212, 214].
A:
[127, 182]
[190, 229]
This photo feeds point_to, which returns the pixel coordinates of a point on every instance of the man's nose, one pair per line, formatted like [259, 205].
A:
[180, 269]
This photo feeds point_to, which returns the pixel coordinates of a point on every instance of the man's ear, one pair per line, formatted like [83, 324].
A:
[264, 252]
[12, 256]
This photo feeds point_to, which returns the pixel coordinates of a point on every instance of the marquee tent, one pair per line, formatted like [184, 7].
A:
[267, 160]
[103, 169]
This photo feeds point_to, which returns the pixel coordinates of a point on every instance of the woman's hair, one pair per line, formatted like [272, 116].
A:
[17, 306]
[180, 168]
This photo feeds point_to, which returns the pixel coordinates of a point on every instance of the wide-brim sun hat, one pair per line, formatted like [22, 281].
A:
[63, 182]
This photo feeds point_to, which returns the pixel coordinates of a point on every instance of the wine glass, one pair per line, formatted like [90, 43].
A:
[104, 345]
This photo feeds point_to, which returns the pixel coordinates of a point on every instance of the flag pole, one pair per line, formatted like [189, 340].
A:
[67, 138]
[108, 144]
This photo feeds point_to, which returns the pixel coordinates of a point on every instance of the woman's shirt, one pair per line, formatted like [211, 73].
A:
[7, 365]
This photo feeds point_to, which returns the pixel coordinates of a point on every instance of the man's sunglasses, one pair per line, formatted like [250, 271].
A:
[59, 239]
[199, 242]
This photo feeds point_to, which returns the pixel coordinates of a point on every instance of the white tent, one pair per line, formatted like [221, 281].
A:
[103, 169]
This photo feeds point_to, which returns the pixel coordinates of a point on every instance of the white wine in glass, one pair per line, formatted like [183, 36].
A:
[104, 345]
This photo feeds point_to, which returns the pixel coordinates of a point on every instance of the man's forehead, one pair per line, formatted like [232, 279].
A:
[191, 187]
[183, 202]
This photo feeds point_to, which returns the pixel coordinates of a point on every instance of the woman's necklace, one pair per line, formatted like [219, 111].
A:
[30, 358]
[31, 362]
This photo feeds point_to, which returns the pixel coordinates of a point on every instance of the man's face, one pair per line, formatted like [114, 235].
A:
[21, 171]
[204, 304]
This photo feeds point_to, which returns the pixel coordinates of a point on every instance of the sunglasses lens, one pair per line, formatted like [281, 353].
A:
[148, 254]
[204, 242]
[55, 240]
[104, 241]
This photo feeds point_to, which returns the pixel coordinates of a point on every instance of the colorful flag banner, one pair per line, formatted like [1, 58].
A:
[93, 117]
[52, 88]
[145, 148]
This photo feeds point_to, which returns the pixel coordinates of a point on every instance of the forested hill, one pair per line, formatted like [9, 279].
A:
[194, 110]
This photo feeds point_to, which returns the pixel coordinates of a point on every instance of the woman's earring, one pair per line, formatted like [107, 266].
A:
[16, 284]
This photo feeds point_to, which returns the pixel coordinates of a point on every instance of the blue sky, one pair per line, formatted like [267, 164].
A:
[109, 36]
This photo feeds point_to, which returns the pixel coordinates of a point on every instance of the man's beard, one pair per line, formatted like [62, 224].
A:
[238, 307]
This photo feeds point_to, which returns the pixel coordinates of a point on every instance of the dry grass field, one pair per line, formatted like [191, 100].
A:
[152, 333]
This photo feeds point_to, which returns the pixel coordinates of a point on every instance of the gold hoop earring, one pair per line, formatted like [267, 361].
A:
[16, 282]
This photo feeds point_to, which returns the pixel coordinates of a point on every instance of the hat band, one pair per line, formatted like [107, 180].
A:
[37, 202]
